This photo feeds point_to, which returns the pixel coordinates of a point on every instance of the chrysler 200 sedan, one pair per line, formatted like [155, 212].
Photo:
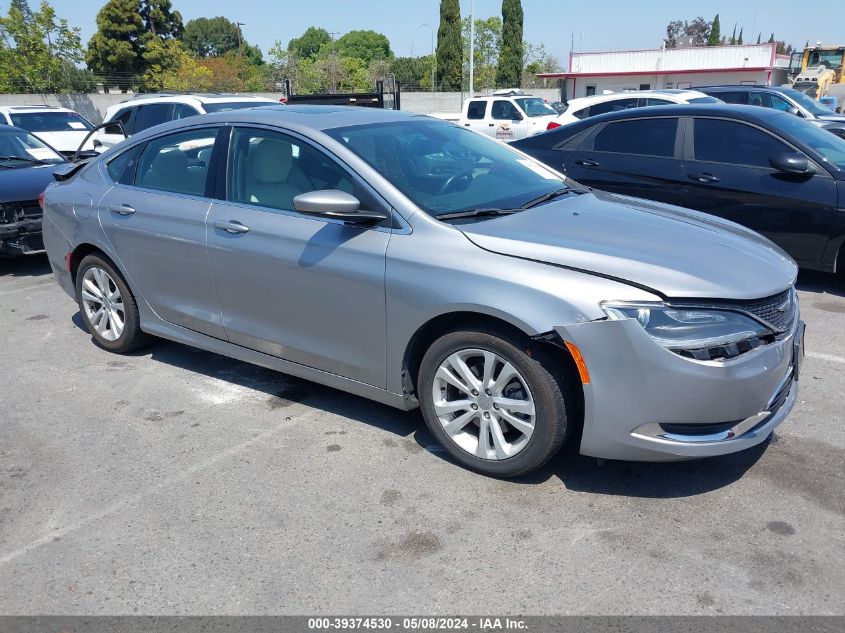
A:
[410, 261]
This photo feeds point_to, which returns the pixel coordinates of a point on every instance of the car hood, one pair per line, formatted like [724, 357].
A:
[674, 252]
[25, 183]
[832, 117]
[64, 141]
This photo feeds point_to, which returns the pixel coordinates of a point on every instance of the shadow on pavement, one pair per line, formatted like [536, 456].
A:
[25, 266]
[821, 283]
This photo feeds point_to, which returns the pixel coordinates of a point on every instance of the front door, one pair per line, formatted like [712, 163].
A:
[298, 287]
[154, 218]
[730, 176]
[633, 158]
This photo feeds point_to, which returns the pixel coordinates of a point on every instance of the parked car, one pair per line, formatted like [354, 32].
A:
[146, 110]
[416, 263]
[783, 99]
[26, 168]
[507, 115]
[60, 128]
[584, 107]
[770, 171]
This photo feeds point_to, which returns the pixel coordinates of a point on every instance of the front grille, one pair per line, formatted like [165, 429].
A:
[17, 211]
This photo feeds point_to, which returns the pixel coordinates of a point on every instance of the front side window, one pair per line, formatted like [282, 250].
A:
[646, 137]
[504, 111]
[733, 97]
[830, 147]
[51, 122]
[719, 141]
[175, 164]
[123, 118]
[270, 169]
[183, 111]
[443, 168]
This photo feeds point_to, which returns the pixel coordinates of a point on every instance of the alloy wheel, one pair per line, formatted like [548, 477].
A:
[484, 404]
[103, 303]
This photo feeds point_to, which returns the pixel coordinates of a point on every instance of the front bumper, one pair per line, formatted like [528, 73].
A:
[645, 403]
[21, 238]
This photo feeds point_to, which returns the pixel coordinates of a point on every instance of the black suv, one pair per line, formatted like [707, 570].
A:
[784, 99]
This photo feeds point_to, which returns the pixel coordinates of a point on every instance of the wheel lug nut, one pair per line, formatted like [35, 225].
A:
[488, 392]
[486, 415]
[474, 392]
[474, 407]
[495, 406]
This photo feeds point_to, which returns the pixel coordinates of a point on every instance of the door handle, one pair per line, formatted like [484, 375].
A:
[587, 163]
[491, 124]
[121, 209]
[703, 178]
[233, 227]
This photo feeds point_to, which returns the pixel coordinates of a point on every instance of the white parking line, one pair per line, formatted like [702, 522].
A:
[828, 357]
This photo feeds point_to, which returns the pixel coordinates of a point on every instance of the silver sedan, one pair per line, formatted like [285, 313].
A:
[419, 264]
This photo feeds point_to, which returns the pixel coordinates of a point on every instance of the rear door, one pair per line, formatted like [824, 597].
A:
[154, 218]
[728, 174]
[636, 157]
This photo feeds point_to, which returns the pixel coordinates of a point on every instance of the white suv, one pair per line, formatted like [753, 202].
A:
[583, 107]
[61, 128]
[146, 110]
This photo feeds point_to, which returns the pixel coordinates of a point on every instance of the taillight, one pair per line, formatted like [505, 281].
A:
[41, 200]
[552, 125]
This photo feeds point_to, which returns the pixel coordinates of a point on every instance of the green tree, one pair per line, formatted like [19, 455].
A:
[733, 37]
[365, 45]
[509, 73]
[488, 42]
[715, 32]
[412, 70]
[160, 19]
[307, 45]
[538, 60]
[170, 67]
[211, 37]
[739, 39]
[449, 46]
[38, 50]
[23, 7]
[116, 47]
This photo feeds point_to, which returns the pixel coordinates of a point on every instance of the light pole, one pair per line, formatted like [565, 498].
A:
[433, 56]
[471, 48]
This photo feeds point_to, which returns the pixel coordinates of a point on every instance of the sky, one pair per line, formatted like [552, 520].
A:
[609, 25]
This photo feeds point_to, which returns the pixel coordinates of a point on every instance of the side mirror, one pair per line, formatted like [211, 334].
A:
[114, 128]
[338, 205]
[792, 163]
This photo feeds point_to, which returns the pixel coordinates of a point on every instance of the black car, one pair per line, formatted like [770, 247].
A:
[783, 99]
[26, 168]
[770, 171]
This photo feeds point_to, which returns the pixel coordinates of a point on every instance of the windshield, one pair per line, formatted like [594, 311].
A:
[444, 169]
[226, 106]
[704, 100]
[50, 122]
[807, 102]
[829, 146]
[535, 107]
[18, 149]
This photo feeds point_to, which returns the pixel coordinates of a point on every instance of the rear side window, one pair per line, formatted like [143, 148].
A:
[583, 113]
[177, 163]
[645, 137]
[613, 106]
[733, 97]
[122, 167]
[651, 101]
[152, 114]
[476, 110]
[718, 141]
[123, 117]
[183, 111]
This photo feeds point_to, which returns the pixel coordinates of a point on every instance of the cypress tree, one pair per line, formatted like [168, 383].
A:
[450, 46]
[739, 40]
[733, 37]
[715, 32]
[509, 71]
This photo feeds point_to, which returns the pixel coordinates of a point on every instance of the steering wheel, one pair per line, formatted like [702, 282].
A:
[453, 181]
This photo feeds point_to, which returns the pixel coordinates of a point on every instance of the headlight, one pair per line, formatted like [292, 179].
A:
[698, 333]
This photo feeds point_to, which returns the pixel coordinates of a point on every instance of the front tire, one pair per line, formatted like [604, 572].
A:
[493, 407]
[108, 307]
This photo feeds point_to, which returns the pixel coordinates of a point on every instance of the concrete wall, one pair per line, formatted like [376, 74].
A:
[93, 106]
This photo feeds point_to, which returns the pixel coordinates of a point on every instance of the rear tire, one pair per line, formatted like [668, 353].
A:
[495, 404]
[108, 307]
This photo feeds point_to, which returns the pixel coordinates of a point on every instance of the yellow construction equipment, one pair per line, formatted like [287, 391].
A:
[818, 72]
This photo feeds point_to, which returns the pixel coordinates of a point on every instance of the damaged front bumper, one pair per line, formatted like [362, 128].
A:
[20, 228]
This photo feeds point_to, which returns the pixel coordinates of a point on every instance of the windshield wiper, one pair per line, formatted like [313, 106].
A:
[476, 213]
[546, 197]
[34, 161]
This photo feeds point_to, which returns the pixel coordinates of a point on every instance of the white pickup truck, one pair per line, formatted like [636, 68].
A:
[507, 115]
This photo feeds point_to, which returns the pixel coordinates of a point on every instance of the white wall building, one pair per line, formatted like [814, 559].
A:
[592, 73]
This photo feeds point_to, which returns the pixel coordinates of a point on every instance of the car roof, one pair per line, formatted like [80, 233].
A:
[678, 94]
[193, 98]
[733, 111]
[29, 109]
[741, 88]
